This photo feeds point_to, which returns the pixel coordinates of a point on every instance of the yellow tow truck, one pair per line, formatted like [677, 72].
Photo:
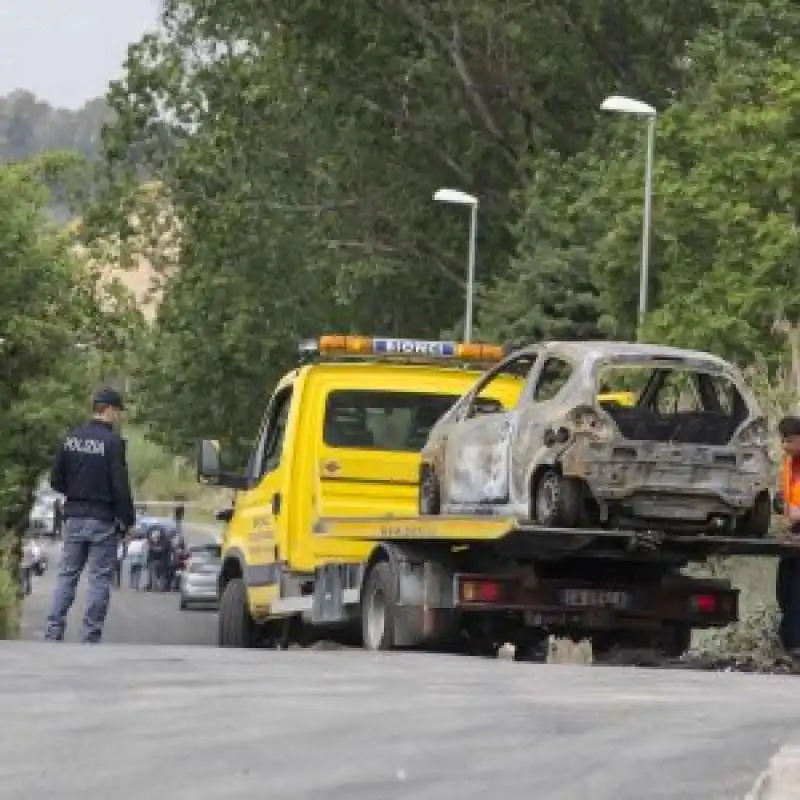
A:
[325, 537]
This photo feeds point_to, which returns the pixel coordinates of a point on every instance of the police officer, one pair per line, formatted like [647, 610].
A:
[91, 471]
[788, 577]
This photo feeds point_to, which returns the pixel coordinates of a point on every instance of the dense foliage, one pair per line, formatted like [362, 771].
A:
[58, 326]
[299, 145]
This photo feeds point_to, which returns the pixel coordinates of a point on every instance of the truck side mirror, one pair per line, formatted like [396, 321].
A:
[208, 461]
[223, 515]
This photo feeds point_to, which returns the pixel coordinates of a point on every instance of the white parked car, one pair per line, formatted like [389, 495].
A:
[200, 579]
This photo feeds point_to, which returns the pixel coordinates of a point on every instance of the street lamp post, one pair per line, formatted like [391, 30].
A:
[454, 197]
[626, 105]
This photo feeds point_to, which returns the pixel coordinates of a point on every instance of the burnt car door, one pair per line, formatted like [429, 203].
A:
[477, 451]
[544, 401]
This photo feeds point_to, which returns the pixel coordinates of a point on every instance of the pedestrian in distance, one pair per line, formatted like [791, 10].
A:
[179, 513]
[158, 559]
[27, 565]
[137, 560]
[788, 576]
[90, 470]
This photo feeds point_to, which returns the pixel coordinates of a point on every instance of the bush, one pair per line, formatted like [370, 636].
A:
[755, 635]
[10, 601]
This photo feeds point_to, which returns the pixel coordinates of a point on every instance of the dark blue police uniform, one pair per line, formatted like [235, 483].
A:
[90, 469]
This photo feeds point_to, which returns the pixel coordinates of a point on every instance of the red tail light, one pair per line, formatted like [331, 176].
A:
[704, 603]
[479, 591]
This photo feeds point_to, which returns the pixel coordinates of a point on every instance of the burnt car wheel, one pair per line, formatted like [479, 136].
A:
[756, 523]
[430, 497]
[557, 501]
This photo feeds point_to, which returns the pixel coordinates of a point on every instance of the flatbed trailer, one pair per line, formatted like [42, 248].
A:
[482, 581]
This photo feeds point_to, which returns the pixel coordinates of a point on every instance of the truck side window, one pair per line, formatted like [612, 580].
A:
[270, 446]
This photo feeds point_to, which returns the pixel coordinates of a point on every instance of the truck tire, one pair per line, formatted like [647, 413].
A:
[236, 627]
[378, 607]
[556, 501]
[756, 523]
[430, 496]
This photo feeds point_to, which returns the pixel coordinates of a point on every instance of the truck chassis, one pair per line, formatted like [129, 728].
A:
[471, 585]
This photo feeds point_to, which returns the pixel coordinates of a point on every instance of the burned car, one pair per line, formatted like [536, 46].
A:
[607, 434]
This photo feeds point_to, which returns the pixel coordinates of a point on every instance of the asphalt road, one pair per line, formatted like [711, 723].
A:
[204, 723]
[133, 618]
[113, 721]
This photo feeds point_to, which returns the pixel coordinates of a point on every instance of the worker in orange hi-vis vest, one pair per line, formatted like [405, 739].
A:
[788, 578]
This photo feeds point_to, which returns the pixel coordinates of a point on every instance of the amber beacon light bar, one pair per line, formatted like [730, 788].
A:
[411, 349]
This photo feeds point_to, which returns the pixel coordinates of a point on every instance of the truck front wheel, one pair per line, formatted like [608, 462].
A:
[378, 607]
[236, 626]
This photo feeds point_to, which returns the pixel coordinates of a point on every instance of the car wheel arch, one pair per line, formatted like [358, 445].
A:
[234, 566]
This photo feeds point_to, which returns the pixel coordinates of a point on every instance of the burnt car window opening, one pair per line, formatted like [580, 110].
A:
[552, 379]
[678, 404]
[393, 421]
[517, 369]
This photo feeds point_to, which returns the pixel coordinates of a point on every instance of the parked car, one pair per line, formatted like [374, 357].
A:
[198, 586]
[610, 434]
[42, 520]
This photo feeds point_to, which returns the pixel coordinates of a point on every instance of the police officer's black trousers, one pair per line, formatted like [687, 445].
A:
[788, 596]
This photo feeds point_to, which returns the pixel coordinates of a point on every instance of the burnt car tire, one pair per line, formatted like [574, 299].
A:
[557, 501]
[756, 523]
[430, 496]
[236, 626]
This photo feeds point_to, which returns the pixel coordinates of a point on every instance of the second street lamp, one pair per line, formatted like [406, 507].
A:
[455, 197]
[627, 105]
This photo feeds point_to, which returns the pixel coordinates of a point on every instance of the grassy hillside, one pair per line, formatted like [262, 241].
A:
[158, 475]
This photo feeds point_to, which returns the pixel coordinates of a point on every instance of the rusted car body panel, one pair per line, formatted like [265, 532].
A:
[639, 462]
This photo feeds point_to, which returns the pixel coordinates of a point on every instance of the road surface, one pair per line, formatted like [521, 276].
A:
[84, 722]
[134, 618]
[110, 721]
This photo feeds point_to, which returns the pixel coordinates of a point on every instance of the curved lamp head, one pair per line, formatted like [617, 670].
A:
[627, 105]
[455, 197]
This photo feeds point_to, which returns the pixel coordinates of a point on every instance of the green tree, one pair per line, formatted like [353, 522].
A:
[299, 146]
[50, 315]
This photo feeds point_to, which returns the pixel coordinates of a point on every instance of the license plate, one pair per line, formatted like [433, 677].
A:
[595, 598]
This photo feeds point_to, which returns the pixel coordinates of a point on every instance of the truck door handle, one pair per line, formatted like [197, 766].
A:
[276, 504]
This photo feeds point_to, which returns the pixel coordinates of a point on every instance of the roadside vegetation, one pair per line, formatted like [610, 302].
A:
[56, 325]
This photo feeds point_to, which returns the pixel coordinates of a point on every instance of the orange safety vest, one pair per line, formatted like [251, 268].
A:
[790, 482]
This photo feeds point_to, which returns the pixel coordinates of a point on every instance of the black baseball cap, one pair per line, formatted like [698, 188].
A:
[108, 397]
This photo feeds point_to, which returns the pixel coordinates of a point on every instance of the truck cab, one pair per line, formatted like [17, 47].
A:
[340, 438]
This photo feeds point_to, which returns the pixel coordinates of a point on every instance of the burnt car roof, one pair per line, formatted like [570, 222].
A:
[601, 350]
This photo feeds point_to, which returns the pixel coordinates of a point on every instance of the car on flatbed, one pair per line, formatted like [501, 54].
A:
[607, 434]
[324, 538]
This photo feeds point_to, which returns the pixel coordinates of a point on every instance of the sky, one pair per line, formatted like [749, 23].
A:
[66, 51]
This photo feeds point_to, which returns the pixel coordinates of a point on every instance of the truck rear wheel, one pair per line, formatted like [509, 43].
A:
[378, 607]
[236, 626]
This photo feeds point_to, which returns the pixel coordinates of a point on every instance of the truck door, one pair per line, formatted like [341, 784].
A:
[261, 511]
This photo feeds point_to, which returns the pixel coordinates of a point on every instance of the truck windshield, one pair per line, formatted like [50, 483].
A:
[376, 420]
